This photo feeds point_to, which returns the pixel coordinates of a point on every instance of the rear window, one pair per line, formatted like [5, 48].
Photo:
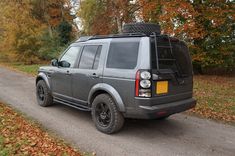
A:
[178, 60]
[123, 55]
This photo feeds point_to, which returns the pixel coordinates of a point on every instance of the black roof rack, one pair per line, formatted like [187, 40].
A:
[124, 35]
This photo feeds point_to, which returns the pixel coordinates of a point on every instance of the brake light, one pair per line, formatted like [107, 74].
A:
[137, 83]
[143, 84]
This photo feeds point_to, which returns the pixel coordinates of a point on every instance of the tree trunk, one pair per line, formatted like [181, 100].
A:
[119, 24]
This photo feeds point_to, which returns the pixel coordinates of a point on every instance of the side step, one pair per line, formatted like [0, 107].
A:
[74, 105]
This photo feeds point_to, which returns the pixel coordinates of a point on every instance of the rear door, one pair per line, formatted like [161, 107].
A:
[87, 73]
[172, 70]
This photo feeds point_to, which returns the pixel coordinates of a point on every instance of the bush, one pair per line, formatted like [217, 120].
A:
[64, 29]
[51, 47]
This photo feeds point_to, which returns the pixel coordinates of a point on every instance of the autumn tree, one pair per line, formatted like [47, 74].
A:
[217, 47]
[106, 16]
[21, 32]
[35, 29]
[201, 24]
[53, 13]
[40, 28]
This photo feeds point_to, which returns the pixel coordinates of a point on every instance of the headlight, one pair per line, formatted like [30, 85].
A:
[145, 75]
[145, 83]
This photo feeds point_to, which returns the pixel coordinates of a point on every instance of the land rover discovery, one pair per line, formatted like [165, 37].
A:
[138, 74]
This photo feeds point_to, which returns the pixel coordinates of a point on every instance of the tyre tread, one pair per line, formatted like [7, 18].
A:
[48, 97]
[118, 117]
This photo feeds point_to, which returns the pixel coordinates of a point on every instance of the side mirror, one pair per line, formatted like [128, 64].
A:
[55, 62]
[64, 64]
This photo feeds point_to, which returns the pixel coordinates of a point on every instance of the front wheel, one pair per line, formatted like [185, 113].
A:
[105, 114]
[44, 97]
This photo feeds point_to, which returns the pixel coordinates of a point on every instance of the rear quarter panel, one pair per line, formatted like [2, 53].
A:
[123, 80]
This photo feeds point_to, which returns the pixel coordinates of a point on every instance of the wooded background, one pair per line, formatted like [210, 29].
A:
[36, 30]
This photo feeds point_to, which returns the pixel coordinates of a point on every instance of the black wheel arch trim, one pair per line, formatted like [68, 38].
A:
[43, 76]
[105, 88]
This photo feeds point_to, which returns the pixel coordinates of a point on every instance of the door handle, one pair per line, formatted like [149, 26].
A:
[93, 75]
[68, 73]
[49, 73]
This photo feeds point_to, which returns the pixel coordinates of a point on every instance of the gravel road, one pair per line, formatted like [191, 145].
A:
[178, 135]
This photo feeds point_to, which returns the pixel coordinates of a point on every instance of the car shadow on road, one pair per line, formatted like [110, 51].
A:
[152, 128]
[170, 127]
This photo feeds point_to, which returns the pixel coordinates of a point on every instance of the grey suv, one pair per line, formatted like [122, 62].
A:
[130, 75]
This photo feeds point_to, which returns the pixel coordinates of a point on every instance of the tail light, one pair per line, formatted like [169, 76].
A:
[143, 84]
[137, 83]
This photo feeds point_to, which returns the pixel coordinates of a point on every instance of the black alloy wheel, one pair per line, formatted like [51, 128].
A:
[105, 114]
[41, 93]
[44, 97]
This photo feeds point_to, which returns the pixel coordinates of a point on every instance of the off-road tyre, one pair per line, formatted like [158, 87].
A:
[116, 121]
[145, 28]
[46, 99]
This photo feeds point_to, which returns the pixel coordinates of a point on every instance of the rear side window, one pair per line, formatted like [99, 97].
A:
[123, 55]
[90, 57]
[97, 58]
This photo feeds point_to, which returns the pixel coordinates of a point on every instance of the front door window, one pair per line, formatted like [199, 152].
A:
[70, 56]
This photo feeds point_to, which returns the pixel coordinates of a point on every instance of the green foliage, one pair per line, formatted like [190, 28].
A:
[30, 69]
[64, 29]
[216, 48]
[50, 47]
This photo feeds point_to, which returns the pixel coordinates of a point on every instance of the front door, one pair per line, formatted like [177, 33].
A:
[61, 78]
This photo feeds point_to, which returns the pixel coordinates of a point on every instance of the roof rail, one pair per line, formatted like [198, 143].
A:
[83, 38]
[124, 35]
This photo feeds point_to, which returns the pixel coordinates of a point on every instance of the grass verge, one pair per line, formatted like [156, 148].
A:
[29, 69]
[215, 97]
[19, 136]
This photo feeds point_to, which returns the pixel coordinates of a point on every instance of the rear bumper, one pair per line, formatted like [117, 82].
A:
[157, 111]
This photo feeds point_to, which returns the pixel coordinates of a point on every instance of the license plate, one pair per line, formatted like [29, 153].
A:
[162, 87]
